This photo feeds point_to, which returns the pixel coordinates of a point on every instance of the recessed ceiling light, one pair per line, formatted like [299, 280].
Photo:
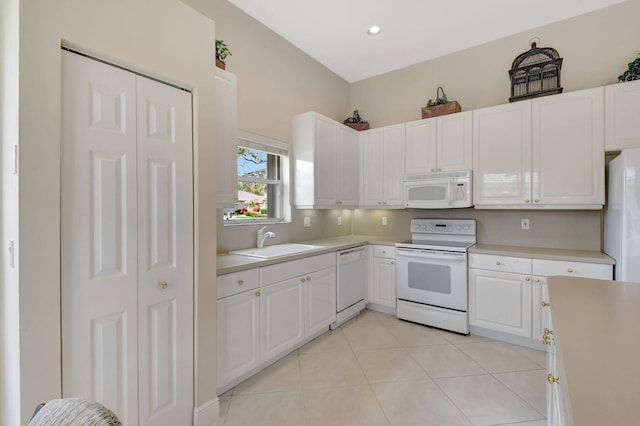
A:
[374, 30]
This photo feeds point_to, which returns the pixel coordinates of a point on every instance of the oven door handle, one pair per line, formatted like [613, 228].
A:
[421, 254]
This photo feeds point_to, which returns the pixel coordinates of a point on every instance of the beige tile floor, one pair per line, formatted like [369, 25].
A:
[378, 370]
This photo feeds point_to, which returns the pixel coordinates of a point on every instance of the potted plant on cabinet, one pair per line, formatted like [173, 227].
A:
[222, 51]
[355, 122]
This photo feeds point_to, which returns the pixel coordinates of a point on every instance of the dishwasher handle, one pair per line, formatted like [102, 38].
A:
[351, 256]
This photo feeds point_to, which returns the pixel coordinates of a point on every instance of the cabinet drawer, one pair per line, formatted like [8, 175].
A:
[518, 265]
[388, 252]
[294, 268]
[237, 282]
[545, 268]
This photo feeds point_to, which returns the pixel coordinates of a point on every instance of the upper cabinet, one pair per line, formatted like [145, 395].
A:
[439, 144]
[382, 159]
[543, 153]
[226, 128]
[325, 156]
[622, 109]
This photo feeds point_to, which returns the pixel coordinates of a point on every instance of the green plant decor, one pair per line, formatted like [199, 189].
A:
[439, 99]
[633, 73]
[355, 119]
[222, 51]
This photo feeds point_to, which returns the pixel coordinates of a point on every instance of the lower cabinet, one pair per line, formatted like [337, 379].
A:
[238, 335]
[558, 405]
[500, 301]
[320, 301]
[281, 317]
[264, 313]
[509, 294]
[383, 277]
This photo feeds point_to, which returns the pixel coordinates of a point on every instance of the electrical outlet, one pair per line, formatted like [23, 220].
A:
[384, 220]
[524, 224]
[307, 222]
[339, 220]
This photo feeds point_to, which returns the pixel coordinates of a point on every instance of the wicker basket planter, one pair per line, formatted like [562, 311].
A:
[442, 109]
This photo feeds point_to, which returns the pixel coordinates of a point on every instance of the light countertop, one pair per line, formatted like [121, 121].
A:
[543, 253]
[597, 329]
[228, 263]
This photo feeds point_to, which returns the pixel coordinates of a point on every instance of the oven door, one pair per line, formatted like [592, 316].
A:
[432, 278]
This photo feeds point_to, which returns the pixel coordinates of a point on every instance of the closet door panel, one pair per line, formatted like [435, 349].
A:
[98, 235]
[165, 253]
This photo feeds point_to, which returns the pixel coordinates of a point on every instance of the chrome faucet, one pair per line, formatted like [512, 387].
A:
[263, 236]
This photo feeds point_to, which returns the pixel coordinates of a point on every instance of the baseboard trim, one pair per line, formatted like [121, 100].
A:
[207, 413]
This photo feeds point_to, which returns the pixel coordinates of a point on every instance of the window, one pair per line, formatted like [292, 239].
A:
[262, 177]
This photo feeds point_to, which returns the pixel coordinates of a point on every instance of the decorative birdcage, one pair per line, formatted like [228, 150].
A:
[535, 72]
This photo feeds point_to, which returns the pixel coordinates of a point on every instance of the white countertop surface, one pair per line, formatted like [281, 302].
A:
[597, 328]
[228, 263]
[543, 253]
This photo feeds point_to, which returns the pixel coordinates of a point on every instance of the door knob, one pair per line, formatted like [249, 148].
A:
[164, 285]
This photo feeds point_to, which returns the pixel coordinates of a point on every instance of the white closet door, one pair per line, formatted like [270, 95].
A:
[127, 243]
[98, 235]
[165, 250]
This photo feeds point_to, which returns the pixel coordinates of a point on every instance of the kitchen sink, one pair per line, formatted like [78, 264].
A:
[275, 250]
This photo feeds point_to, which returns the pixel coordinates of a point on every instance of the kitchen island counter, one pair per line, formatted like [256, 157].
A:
[596, 328]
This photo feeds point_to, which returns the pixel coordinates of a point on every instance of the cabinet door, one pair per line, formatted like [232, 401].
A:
[455, 142]
[541, 308]
[393, 176]
[420, 147]
[320, 309]
[226, 110]
[325, 161]
[384, 282]
[371, 166]
[238, 335]
[500, 301]
[502, 155]
[568, 149]
[347, 167]
[281, 317]
[622, 109]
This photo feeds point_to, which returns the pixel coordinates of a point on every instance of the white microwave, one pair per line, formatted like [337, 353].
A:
[446, 190]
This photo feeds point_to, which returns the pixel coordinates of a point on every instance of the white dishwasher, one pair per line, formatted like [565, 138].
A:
[351, 284]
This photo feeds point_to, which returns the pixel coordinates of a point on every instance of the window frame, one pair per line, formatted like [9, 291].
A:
[270, 146]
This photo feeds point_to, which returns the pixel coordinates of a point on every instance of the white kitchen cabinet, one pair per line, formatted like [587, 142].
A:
[622, 109]
[543, 153]
[500, 301]
[325, 162]
[383, 277]
[502, 155]
[320, 301]
[509, 293]
[238, 335]
[226, 138]
[281, 317]
[382, 172]
[439, 144]
[558, 404]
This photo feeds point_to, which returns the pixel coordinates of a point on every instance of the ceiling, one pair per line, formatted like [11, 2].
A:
[334, 32]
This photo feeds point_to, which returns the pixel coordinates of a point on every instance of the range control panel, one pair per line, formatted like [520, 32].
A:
[444, 226]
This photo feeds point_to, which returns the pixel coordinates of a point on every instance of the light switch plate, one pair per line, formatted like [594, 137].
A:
[524, 224]
[307, 222]
[384, 220]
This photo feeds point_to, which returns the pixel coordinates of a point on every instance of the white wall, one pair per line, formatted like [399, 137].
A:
[595, 48]
[162, 38]
[9, 296]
